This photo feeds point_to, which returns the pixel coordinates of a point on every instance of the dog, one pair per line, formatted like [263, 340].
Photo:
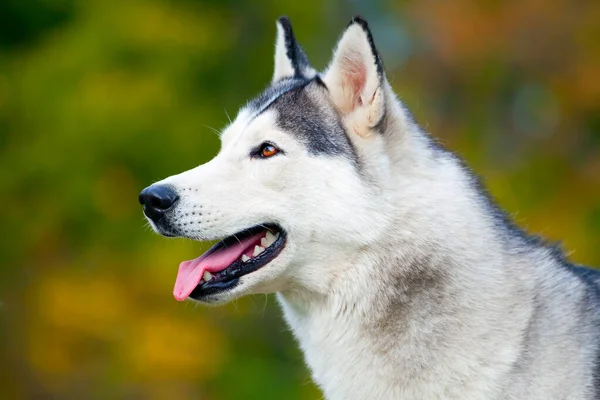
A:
[397, 273]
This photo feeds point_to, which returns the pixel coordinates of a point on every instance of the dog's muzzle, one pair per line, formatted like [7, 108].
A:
[157, 200]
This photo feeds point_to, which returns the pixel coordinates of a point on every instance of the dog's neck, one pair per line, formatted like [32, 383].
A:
[402, 335]
[397, 320]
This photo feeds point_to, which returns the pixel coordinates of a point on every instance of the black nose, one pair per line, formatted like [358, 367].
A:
[157, 200]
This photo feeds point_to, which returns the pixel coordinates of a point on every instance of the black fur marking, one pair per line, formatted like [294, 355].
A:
[324, 134]
[299, 115]
[365, 27]
[273, 92]
[590, 277]
[320, 82]
[294, 52]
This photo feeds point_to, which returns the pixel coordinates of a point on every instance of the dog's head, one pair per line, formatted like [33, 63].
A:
[297, 181]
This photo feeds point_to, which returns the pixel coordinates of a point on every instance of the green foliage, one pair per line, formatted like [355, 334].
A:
[100, 98]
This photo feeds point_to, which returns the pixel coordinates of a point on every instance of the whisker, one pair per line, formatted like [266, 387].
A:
[216, 131]
[236, 238]
[267, 228]
[265, 305]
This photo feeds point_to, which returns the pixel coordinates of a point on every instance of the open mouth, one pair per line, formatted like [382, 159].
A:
[220, 268]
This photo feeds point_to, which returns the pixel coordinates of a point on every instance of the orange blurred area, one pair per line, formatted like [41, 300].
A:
[99, 99]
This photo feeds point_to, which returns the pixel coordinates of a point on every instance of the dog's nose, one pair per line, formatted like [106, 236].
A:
[157, 200]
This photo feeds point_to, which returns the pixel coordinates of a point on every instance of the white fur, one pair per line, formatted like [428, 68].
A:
[283, 65]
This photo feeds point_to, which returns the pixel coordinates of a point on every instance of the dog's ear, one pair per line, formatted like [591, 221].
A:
[355, 78]
[290, 60]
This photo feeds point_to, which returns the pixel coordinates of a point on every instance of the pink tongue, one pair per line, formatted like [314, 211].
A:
[190, 272]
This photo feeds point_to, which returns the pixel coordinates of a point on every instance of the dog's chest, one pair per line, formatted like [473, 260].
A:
[348, 361]
[340, 359]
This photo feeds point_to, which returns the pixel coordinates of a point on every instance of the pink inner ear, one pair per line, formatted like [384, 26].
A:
[355, 77]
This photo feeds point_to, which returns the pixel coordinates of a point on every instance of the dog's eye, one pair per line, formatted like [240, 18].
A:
[265, 150]
[268, 151]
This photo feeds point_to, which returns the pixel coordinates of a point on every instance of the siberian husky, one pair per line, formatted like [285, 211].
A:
[398, 275]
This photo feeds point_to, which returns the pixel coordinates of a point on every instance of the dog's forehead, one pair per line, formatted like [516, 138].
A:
[272, 93]
[301, 110]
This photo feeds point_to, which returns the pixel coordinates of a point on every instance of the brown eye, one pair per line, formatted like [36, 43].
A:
[268, 151]
[265, 150]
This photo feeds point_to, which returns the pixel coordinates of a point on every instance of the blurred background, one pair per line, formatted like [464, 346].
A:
[99, 98]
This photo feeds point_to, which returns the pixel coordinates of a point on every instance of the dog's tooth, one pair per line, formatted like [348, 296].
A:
[207, 276]
[258, 250]
[269, 239]
[264, 242]
[245, 258]
[276, 235]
